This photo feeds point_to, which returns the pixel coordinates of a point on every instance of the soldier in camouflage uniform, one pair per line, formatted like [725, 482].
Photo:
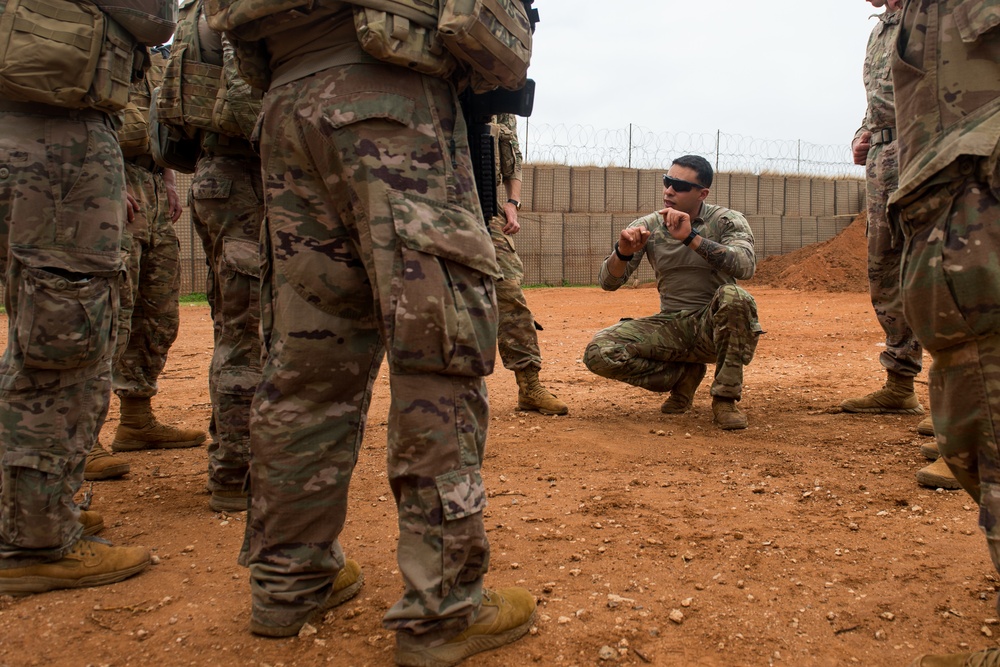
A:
[947, 81]
[874, 146]
[227, 207]
[516, 335]
[697, 251]
[149, 318]
[60, 239]
[375, 249]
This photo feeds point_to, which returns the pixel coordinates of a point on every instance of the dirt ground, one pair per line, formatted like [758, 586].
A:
[646, 538]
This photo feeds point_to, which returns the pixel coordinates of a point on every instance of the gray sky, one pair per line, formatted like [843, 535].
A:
[772, 69]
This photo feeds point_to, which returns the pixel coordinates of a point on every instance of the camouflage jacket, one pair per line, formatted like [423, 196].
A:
[508, 148]
[684, 279]
[881, 111]
[946, 75]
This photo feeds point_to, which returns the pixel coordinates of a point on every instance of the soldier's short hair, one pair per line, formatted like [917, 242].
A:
[700, 165]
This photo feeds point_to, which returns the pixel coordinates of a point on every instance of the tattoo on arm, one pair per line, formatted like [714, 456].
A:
[718, 256]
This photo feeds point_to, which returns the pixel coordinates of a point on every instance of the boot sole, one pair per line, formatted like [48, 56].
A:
[730, 427]
[29, 585]
[884, 411]
[932, 481]
[227, 504]
[110, 472]
[336, 599]
[447, 655]
[532, 408]
[137, 445]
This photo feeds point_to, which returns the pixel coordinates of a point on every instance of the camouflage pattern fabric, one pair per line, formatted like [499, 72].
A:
[375, 248]
[516, 335]
[688, 279]
[902, 354]
[947, 100]
[227, 207]
[508, 148]
[149, 317]
[653, 352]
[704, 316]
[60, 234]
[877, 73]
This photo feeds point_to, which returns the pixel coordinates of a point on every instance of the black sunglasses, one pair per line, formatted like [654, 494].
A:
[680, 186]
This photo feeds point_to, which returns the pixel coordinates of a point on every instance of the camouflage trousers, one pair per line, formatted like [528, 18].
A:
[62, 194]
[902, 354]
[375, 247]
[951, 297]
[516, 337]
[652, 352]
[227, 206]
[149, 318]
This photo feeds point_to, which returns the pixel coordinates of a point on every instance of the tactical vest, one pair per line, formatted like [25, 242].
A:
[133, 135]
[484, 43]
[65, 53]
[196, 95]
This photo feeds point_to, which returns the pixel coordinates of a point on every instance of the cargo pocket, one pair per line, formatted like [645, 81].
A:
[240, 275]
[444, 317]
[974, 18]
[64, 323]
[239, 284]
[464, 548]
[33, 485]
[210, 188]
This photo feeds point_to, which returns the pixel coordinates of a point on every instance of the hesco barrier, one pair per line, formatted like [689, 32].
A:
[570, 216]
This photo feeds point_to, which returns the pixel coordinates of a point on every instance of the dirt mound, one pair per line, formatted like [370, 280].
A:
[839, 264]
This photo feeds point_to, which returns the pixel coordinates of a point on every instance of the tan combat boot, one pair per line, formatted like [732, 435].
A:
[345, 586]
[504, 617]
[896, 397]
[531, 395]
[102, 465]
[228, 500]
[682, 394]
[92, 522]
[930, 450]
[987, 658]
[937, 476]
[139, 429]
[926, 426]
[728, 417]
[89, 562]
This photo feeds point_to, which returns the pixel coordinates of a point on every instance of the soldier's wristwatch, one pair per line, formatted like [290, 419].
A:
[516, 203]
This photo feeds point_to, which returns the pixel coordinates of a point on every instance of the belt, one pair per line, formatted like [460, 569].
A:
[145, 162]
[884, 136]
[38, 109]
[221, 145]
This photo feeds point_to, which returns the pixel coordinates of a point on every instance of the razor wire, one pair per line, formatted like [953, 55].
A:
[637, 147]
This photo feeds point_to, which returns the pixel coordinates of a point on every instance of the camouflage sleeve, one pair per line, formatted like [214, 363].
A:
[609, 282]
[733, 254]
[509, 147]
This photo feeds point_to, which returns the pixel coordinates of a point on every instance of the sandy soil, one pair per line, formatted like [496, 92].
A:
[646, 538]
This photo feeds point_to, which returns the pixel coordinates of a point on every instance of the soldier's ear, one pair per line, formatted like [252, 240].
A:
[703, 194]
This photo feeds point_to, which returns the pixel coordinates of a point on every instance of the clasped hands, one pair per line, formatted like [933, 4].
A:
[633, 239]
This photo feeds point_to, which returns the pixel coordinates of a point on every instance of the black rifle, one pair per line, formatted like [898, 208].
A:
[479, 110]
